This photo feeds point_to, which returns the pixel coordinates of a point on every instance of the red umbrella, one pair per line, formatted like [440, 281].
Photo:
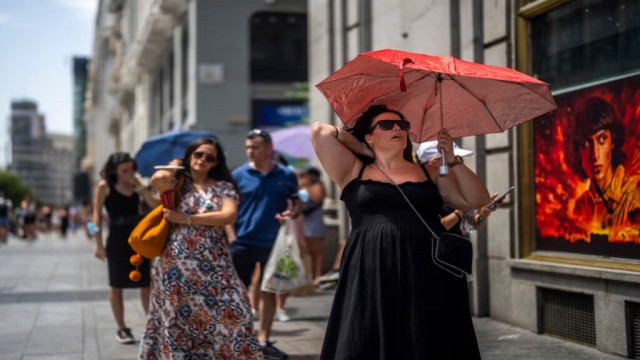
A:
[435, 92]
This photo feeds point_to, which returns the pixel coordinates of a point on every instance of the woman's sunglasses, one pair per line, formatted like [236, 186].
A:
[208, 158]
[388, 124]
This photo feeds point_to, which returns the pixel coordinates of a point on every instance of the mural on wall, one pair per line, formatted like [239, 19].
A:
[587, 172]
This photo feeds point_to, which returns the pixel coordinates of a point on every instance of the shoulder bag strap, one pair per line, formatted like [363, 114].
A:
[408, 202]
[435, 243]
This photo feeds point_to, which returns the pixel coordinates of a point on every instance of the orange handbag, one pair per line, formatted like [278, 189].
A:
[150, 235]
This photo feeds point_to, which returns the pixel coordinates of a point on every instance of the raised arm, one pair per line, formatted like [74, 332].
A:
[148, 197]
[336, 149]
[462, 189]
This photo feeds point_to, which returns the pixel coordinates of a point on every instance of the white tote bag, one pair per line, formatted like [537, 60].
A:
[284, 270]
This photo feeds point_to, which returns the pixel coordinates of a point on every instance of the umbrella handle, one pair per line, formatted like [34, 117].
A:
[444, 168]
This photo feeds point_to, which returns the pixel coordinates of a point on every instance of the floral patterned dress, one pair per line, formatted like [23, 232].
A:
[199, 307]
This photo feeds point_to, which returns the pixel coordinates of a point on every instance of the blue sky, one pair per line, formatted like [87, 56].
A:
[38, 40]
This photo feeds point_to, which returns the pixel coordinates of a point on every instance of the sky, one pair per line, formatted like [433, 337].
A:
[38, 40]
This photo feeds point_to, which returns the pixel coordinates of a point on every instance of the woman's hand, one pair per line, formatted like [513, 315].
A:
[101, 253]
[486, 210]
[176, 217]
[445, 141]
[164, 180]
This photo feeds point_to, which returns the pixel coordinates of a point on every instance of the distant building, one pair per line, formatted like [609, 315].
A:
[62, 165]
[225, 67]
[81, 185]
[43, 161]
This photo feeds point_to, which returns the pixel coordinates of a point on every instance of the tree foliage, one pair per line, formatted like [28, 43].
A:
[13, 187]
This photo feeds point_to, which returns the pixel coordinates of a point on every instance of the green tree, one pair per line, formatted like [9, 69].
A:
[13, 187]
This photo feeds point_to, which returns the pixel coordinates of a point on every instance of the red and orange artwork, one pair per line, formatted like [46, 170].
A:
[587, 171]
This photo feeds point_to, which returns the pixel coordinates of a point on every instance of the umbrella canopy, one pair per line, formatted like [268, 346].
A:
[294, 141]
[161, 149]
[435, 92]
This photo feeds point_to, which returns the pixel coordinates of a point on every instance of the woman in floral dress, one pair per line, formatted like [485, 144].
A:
[199, 307]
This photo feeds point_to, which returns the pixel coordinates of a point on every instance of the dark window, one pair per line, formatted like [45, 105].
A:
[278, 47]
[586, 40]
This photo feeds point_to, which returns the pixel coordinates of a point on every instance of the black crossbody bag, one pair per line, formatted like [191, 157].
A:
[450, 252]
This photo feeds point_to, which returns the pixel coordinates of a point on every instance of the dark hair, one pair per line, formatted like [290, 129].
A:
[109, 171]
[260, 133]
[362, 127]
[218, 172]
[597, 114]
[312, 171]
[281, 159]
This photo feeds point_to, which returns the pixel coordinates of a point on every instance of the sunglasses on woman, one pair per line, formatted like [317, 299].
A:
[388, 124]
[208, 158]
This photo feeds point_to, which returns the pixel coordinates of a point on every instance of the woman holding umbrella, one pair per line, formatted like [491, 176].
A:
[392, 301]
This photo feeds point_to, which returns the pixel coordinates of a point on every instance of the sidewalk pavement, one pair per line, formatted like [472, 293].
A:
[54, 305]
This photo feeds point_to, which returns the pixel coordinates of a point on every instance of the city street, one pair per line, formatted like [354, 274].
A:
[54, 305]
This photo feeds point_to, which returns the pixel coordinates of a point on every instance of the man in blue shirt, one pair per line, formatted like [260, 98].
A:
[265, 190]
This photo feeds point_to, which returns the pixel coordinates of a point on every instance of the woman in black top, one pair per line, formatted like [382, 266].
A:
[392, 301]
[119, 192]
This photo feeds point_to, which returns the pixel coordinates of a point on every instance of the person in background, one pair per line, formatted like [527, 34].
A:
[85, 217]
[265, 189]
[118, 191]
[6, 216]
[29, 216]
[199, 307]
[314, 226]
[392, 301]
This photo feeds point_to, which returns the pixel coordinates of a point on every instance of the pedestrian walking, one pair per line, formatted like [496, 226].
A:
[265, 189]
[117, 192]
[314, 225]
[199, 307]
[392, 300]
[6, 215]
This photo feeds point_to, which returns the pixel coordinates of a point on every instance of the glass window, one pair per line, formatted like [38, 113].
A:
[278, 47]
[586, 40]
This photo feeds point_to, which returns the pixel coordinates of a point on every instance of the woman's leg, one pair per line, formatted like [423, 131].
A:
[145, 297]
[117, 306]
[255, 289]
[317, 257]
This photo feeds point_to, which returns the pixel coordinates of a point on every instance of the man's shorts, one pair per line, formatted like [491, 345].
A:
[245, 259]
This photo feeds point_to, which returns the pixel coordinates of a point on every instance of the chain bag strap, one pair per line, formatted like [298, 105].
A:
[435, 244]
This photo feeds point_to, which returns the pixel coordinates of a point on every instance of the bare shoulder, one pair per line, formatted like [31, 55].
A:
[102, 190]
[432, 169]
[102, 185]
[353, 173]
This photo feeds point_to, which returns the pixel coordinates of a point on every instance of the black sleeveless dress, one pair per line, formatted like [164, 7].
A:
[392, 302]
[123, 217]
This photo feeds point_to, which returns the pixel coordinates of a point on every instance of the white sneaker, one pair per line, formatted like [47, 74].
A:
[281, 316]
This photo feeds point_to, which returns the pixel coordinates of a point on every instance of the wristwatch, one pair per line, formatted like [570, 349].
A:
[455, 162]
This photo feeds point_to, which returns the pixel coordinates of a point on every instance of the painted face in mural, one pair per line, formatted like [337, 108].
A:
[596, 155]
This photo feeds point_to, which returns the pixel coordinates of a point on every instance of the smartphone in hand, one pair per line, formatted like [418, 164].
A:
[494, 203]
